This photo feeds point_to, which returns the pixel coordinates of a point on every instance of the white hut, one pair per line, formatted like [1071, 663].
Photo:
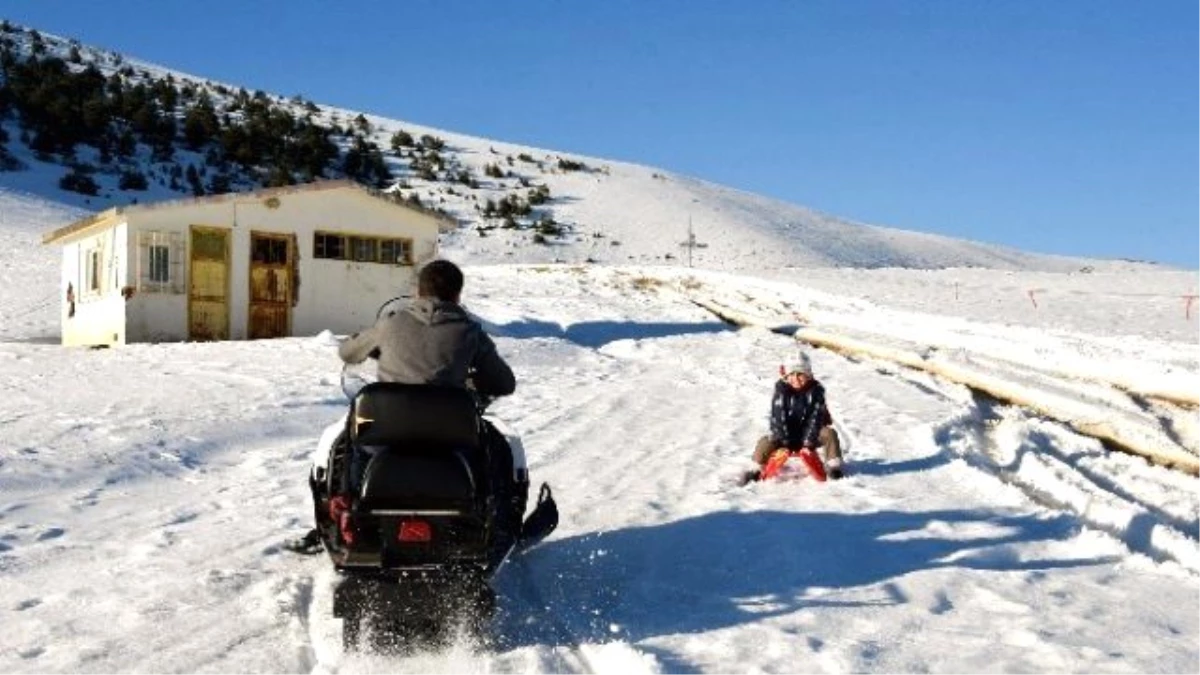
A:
[272, 263]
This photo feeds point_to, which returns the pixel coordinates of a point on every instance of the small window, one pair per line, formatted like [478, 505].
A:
[395, 252]
[93, 270]
[364, 249]
[160, 264]
[208, 245]
[269, 250]
[386, 250]
[330, 246]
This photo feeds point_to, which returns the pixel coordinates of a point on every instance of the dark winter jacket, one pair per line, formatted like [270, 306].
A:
[432, 342]
[797, 415]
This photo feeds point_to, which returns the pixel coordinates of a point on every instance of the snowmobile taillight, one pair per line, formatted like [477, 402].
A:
[339, 512]
[414, 532]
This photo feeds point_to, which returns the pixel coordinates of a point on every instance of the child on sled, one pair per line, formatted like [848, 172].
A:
[800, 422]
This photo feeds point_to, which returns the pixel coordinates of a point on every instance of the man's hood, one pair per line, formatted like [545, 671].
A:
[432, 312]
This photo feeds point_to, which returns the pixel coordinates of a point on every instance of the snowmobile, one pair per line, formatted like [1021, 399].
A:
[407, 513]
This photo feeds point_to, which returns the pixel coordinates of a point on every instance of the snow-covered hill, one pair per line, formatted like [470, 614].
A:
[611, 212]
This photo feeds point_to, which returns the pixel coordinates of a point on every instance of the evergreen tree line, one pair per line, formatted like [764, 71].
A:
[61, 104]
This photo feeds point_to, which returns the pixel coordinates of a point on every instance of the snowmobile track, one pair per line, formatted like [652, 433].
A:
[1144, 520]
[564, 636]
[1147, 526]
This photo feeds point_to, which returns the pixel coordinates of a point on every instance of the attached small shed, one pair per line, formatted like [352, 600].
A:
[273, 263]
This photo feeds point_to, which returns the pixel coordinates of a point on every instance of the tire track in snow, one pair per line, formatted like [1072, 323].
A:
[1054, 479]
[1050, 476]
[641, 382]
[1170, 417]
[563, 636]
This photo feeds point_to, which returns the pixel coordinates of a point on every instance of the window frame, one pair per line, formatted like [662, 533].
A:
[158, 264]
[159, 269]
[322, 241]
[403, 248]
[363, 249]
[93, 272]
[349, 245]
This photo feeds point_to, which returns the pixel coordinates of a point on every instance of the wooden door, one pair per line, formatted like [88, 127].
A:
[270, 285]
[208, 284]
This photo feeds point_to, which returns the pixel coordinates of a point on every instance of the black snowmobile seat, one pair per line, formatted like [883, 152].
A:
[423, 442]
[390, 414]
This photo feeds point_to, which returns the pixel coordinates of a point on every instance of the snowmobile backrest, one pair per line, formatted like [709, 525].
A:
[390, 413]
[398, 479]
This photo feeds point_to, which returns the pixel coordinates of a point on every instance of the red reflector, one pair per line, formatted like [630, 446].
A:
[413, 531]
[339, 512]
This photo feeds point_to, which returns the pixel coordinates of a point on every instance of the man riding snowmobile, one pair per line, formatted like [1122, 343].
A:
[434, 341]
[418, 494]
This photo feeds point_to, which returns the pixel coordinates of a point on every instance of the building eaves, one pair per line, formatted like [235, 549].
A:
[445, 222]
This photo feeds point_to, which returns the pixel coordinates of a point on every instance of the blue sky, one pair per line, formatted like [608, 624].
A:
[1060, 127]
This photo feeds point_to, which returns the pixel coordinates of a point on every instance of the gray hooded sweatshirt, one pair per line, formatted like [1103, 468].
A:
[432, 342]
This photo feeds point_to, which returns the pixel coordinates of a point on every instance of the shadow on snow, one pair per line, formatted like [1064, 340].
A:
[724, 569]
[595, 334]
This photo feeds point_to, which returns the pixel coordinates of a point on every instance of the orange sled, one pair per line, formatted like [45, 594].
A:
[808, 458]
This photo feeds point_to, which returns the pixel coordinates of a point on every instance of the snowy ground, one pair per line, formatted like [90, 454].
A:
[144, 490]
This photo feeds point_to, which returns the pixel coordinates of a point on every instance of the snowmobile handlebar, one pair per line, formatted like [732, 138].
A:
[393, 303]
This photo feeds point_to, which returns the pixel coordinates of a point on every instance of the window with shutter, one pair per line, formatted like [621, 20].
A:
[160, 262]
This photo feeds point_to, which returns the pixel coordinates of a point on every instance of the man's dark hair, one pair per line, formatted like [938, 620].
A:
[440, 279]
